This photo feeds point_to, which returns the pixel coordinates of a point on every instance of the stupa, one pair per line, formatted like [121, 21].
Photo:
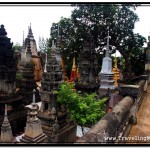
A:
[8, 93]
[53, 116]
[88, 65]
[106, 75]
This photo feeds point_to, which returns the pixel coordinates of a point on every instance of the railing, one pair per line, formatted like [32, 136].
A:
[118, 122]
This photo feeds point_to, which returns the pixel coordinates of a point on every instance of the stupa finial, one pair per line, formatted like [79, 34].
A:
[33, 96]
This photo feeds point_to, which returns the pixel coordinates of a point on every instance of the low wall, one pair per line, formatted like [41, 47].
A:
[118, 122]
[110, 125]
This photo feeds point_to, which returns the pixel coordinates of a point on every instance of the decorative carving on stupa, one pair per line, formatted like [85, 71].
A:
[53, 116]
[88, 65]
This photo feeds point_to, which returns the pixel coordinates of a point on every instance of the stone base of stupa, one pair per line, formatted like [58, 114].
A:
[65, 135]
[107, 85]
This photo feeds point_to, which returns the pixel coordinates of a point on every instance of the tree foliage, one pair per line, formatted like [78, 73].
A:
[93, 20]
[43, 44]
[84, 110]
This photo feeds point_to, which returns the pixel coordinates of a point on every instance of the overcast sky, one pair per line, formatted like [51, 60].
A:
[16, 19]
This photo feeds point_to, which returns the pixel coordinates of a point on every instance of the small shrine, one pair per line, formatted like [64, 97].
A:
[6, 131]
[106, 76]
[87, 68]
[53, 116]
[33, 131]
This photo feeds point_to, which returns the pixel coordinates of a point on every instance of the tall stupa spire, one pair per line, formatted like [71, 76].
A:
[23, 36]
[107, 47]
[6, 132]
[23, 44]
[30, 34]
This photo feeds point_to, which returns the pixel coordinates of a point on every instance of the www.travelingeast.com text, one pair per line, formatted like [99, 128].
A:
[134, 138]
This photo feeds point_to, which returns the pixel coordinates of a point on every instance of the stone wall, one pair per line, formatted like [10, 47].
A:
[109, 125]
[118, 122]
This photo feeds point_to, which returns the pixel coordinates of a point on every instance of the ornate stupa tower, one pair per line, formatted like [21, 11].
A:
[6, 132]
[26, 55]
[28, 82]
[106, 75]
[53, 116]
[147, 62]
[88, 64]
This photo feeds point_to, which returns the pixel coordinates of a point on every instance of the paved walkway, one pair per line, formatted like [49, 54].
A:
[141, 131]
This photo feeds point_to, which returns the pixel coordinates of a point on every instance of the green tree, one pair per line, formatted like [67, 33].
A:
[85, 110]
[93, 20]
[120, 19]
[43, 44]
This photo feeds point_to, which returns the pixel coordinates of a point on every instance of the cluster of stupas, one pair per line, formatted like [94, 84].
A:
[47, 123]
